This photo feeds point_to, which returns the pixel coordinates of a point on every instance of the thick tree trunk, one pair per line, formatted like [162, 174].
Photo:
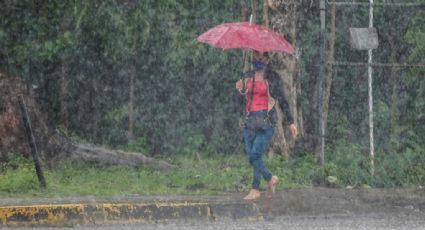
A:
[282, 16]
[52, 145]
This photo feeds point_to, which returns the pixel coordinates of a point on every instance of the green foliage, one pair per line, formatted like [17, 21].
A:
[304, 171]
[347, 165]
[18, 176]
[393, 171]
[22, 181]
[398, 107]
[137, 145]
[351, 165]
[210, 176]
[14, 160]
[415, 36]
[184, 91]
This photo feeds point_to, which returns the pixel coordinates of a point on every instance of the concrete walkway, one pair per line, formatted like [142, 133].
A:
[72, 211]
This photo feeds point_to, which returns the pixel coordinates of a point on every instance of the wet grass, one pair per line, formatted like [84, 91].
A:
[193, 176]
[213, 175]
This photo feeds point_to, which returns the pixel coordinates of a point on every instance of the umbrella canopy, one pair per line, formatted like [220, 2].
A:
[246, 35]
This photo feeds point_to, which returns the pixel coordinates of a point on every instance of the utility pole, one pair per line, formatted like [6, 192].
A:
[369, 70]
[31, 141]
[321, 77]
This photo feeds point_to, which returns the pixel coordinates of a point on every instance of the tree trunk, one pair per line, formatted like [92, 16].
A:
[132, 74]
[53, 146]
[395, 84]
[64, 82]
[244, 10]
[63, 94]
[254, 4]
[266, 14]
[245, 17]
[282, 16]
[394, 111]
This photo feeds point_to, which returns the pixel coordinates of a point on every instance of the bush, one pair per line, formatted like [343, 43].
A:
[352, 166]
[400, 169]
[17, 175]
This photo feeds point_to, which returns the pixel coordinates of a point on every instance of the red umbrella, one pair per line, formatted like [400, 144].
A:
[246, 35]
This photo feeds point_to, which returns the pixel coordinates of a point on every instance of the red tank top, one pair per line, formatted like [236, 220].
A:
[260, 98]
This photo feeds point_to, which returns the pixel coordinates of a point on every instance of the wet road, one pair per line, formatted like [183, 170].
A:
[369, 222]
[315, 208]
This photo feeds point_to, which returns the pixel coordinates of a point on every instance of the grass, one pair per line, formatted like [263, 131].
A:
[218, 174]
[209, 176]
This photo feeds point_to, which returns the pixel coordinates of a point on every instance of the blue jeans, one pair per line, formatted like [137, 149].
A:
[256, 143]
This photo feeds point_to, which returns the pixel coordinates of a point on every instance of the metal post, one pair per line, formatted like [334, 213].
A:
[369, 68]
[31, 140]
[321, 81]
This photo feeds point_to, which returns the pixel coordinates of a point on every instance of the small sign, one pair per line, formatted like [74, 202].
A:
[364, 38]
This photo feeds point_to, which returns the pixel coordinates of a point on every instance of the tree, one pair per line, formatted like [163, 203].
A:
[53, 146]
[329, 71]
[283, 20]
[131, 75]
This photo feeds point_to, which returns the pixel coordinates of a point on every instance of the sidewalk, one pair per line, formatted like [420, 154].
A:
[155, 209]
[71, 211]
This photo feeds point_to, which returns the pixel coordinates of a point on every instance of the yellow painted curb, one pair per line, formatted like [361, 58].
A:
[104, 213]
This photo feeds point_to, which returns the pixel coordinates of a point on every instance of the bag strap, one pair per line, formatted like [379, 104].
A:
[251, 95]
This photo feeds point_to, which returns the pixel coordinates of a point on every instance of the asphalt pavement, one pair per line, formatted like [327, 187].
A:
[304, 208]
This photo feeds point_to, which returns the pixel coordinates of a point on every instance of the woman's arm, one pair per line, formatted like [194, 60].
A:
[276, 91]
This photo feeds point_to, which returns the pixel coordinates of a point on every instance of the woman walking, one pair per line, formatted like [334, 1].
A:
[263, 89]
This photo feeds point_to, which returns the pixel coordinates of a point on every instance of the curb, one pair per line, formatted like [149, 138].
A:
[122, 213]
